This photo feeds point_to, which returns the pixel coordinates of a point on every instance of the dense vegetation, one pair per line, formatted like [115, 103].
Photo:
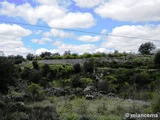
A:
[81, 91]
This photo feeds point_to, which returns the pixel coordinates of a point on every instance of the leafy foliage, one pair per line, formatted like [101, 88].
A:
[146, 48]
[7, 70]
[88, 66]
[77, 68]
[35, 64]
[157, 58]
[30, 56]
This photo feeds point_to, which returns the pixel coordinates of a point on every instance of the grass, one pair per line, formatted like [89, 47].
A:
[98, 109]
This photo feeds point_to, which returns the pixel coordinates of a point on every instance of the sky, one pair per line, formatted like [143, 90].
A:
[81, 26]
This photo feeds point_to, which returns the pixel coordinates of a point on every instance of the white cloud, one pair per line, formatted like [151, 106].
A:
[87, 38]
[62, 47]
[25, 11]
[77, 48]
[57, 33]
[40, 50]
[30, 14]
[41, 41]
[129, 44]
[63, 3]
[80, 49]
[101, 50]
[38, 32]
[130, 10]
[57, 43]
[11, 39]
[87, 3]
[51, 13]
[74, 20]
[47, 2]
[48, 12]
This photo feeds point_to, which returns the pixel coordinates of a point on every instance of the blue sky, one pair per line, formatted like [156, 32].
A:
[133, 18]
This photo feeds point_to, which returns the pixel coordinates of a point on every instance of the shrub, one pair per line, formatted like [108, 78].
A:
[18, 116]
[89, 66]
[44, 113]
[25, 73]
[155, 104]
[45, 69]
[35, 76]
[157, 58]
[35, 92]
[86, 55]
[35, 64]
[7, 71]
[75, 81]
[77, 68]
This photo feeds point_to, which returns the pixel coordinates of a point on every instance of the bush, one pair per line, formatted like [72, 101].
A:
[77, 68]
[44, 113]
[25, 73]
[18, 116]
[45, 69]
[35, 76]
[35, 92]
[155, 104]
[35, 65]
[89, 66]
[75, 81]
[86, 55]
[157, 58]
[7, 72]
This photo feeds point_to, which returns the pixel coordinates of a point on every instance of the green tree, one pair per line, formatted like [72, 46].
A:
[89, 66]
[7, 71]
[35, 76]
[35, 64]
[45, 70]
[67, 53]
[77, 68]
[30, 56]
[86, 55]
[75, 81]
[35, 92]
[146, 48]
[46, 54]
[24, 74]
[157, 58]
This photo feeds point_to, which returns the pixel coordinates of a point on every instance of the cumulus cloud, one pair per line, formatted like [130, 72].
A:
[30, 14]
[63, 3]
[132, 44]
[75, 48]
[130, 10]
[88, 38]
[102, 50]
[41, 41]
[40, 50]
[50, 12]
[74, 20]
[90, 3]
[57, 33]
[47, 2]
[11, 39]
